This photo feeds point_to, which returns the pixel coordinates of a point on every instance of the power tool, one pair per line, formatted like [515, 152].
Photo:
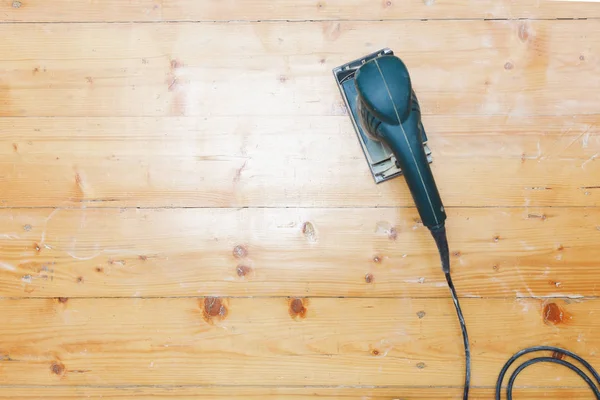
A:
[386, 115]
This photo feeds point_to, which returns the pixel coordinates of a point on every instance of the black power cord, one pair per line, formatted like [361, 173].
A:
[463, 328]
[441, 240]
[557, 353]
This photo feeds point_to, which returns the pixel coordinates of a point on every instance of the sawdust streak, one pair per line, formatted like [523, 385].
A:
[84, 258]
[48, 218]
[578, 137]
[7, 267]
[592, 158]
[523, 280]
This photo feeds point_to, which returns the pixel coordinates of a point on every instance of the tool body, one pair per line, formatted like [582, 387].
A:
[390, 113]
[386, 114]
[380, 157]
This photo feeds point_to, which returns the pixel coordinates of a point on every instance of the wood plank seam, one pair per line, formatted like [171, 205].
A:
[235, 21]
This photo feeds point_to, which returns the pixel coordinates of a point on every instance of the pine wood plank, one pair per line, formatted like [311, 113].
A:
[253, 393]
[505, 104]
[515, 68]
[496, 252]
[248, 161]
[280, 341]
[187, 10]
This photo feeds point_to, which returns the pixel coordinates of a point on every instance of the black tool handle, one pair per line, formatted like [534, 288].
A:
[390, 112]
[407, 145]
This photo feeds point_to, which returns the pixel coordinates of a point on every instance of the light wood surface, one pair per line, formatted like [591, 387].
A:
[279, 393]
[298, 10]
[299, 341]
[496, 252]
[249, 161]
[185, 211]
[202, 69]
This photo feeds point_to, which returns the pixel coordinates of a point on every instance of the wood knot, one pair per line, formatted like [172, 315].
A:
[375, 352]
[421, 314]
[496, 239]
[369, 278]
[421, 365]
[377, 259]
[16, 4]
[524, 32]
[393, 233]
[214, 307]
[457, 253]
[240, 251]
[176, 64]
[508, 66]
[581, 57]
[63, 300]
[243, 270]
[80, 279]
[297, 308]
[99, 269]
[57, 368]
[553, 314]
[143, 257]
[555, 284]
[558, 355]
[308, 230]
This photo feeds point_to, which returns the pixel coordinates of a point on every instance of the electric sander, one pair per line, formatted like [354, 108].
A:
[386, 115]
[378, 91]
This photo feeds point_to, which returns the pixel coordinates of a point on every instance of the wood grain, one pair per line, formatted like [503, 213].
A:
[187, 10]
[521, 252]
[305, 393]
[514, 68]
[282, 162]
[274, 341]
[280, 341]
[186, 213]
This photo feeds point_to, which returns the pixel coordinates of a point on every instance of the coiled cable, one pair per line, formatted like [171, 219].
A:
[441, 240]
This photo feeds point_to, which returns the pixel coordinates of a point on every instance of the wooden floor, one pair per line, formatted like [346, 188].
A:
[185, 211]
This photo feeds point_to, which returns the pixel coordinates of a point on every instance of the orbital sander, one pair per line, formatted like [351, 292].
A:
[386, 115]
